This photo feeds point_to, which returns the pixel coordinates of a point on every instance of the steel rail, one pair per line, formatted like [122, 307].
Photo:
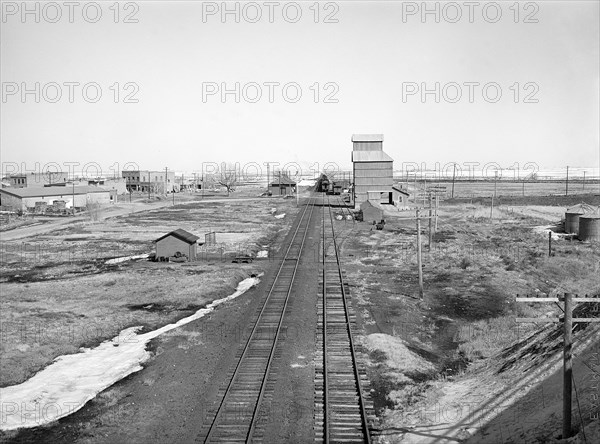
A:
[256, 324]
[325, 382]
[363, 412]
[270, 360]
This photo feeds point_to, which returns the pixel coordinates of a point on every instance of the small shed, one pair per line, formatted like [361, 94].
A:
[178, 244]
[400, 195]
[372, 211]
[282, 185]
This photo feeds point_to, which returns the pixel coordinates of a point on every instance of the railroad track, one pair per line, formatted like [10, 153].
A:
[237, 415]
[340, 407]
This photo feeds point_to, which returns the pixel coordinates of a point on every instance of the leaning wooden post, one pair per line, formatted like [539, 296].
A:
[567, 365]
[419, 266]
[549, 243]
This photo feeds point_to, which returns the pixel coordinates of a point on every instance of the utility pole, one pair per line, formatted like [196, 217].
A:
[567, 183]
[495, 182]
[523, 187]
[267, 177]
[492, 210]
[568, 320]
[567, 365]
[453, 177]
[419, 266]
[73, 183]
[279, 182]
[549, 243]
[437, 204]
[430, 225]
[166, 182]
[583, 187]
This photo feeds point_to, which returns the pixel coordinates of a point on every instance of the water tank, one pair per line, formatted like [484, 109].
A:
[573, 214]
[589, 228]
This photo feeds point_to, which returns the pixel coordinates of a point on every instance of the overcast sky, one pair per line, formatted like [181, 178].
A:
[363, 61]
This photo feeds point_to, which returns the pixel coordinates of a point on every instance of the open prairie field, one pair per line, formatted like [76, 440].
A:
[472, 189]
[420, 349]
[62, 290]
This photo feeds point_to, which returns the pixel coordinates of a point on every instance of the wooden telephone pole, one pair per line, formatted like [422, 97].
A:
[568, 300]
[419, 265]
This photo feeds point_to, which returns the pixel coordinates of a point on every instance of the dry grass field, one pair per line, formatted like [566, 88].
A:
[59, 293]
[472, 274]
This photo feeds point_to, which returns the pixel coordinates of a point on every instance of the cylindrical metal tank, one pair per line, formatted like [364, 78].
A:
[573, 214]
[572, 222]
[589, 228]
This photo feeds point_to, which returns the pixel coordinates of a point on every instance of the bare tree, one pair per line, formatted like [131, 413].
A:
[228, 178]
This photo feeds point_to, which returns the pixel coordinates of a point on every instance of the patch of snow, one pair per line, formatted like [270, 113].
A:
[307, 183]
[72, 380]
[398, 355]
[273, 210]
[280, 216]
[545, 229]
[262, 254]
[118, 260]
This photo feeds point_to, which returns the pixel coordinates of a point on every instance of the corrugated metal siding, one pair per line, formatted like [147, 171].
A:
[368, 146]
[371, 176]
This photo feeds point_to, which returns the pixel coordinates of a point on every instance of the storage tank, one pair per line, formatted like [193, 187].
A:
[573, 214]
[589, 228]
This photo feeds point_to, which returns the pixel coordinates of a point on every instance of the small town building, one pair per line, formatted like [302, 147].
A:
[150, 181]
[372, 167]
[282, 185]
[177, 244]
[118, 185]
[26, 199]
[36, 180]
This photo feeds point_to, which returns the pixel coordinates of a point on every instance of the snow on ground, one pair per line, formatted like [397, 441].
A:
[545, 229]
[262, 254]
[72, 380]
[118, 260]
[280, 216]
[307, 183]
[398, 355]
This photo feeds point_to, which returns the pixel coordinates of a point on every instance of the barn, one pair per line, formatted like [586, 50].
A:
[372, 168]
[178, 244]
[25, 199]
